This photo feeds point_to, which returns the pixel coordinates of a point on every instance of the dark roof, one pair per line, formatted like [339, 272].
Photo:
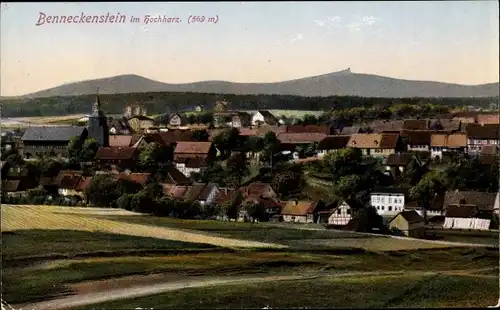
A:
[175, 177]
[416, 124]
[60, 133]
[466, 211]
[490, 131]
[187, 147]
[10, 186]
[268, 116]
[119, 152]
[418, 137]
[196, 162]
[303, 137]
[333, 143]
[387, 126]
[446, 124]
[256, 189]
[487, 159]
[308, 129]
[482, 200]
[170, 136]
[399, 159]
[349, 130]
[411, 216]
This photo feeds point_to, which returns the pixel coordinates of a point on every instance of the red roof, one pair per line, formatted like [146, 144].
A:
[184, 147]
[119, 152]
[140, 178]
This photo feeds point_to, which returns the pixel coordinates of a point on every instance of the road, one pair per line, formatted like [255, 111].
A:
[94, 292]
[297, 226]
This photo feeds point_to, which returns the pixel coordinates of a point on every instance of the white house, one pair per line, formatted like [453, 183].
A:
[388, 201]
[189, 167]
[444, 143]
[465, 217]
[263, 117]
[479, 136]
[341, 215]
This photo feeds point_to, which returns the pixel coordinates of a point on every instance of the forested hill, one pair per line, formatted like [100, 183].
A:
[166, 102]
[340, 83]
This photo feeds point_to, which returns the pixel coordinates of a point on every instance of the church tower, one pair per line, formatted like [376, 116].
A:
[98, 124]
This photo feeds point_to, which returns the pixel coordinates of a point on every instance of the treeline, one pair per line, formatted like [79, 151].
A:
[167, 102]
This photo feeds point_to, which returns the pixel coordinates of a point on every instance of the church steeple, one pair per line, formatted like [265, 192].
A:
[98, 123]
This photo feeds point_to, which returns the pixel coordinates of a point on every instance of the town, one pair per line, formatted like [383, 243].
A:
[393, 175]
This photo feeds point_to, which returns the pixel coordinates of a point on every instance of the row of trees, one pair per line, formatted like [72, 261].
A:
[165, 102]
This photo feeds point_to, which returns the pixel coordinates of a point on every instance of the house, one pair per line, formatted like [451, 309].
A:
[466, 217]
[410, 223]
[481, 135]
[139, 123]
[482, 200]
[445, 143]
[340, 215]
[72, 183]
[387, 126]
[7, 140]
[376, 144]
[139, 178]
[388, 201]
[415, 124]
[123, 156]
[176, 119]
[331, 143]
[446, 125]
[263, 117]
[299, 211]
[221, 106]
[134, 110]
[294, 138]
[175, 177]
[418, 140]
[258, 189]
[350, 130]
[434, 209]
[488, 155]
[42, 141]
[326, 129]
[25, 176]
[118, 126]
[397, 163]
[13, 188]
[488, 119]
[120, 140]
[271, 206]
[204, 194]
[190, 157]
[241, 119]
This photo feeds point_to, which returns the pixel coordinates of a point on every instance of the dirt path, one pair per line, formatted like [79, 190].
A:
[93, 292]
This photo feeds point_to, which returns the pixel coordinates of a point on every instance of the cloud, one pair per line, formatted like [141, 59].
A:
[365, 21]
[296, 38]
[328, 23]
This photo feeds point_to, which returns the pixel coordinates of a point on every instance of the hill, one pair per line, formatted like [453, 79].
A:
[341, 83]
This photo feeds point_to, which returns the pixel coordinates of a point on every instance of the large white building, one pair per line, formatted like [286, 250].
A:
[388, 202]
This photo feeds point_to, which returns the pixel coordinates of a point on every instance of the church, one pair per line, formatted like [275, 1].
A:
[98, 124]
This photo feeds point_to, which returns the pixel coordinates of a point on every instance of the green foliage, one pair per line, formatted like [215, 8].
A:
[124, 202]
[255, 210]
[154, 155]
[200, 135]
[366, 219]
[227, 140]
[82, 151]
[287, 182]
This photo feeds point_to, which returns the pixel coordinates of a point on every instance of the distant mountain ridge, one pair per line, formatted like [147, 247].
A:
[340, 83]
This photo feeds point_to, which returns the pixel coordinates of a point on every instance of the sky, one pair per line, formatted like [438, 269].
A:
[455, 42]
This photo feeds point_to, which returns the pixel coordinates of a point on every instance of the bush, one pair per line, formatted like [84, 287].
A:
[125, 202]
[142, 203]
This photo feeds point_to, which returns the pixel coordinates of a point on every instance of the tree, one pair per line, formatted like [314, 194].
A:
[255, 210]
[153, 190]
[366, 219]
[124, 202]
[14, 160]
[200, 135]
[154, 155]
[82, 151]
[102, 191]
[142, 203]
[432, 184]
[271, 146]
[310, 119]
[164, 207]
[287, 182]
[237, 168]
[227, 140]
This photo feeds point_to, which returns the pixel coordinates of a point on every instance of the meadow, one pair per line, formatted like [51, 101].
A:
[48, 251]
[407, 291]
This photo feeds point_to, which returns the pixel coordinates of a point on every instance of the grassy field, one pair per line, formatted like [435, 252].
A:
[21, 217]
[45, 249]
[409, 291]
